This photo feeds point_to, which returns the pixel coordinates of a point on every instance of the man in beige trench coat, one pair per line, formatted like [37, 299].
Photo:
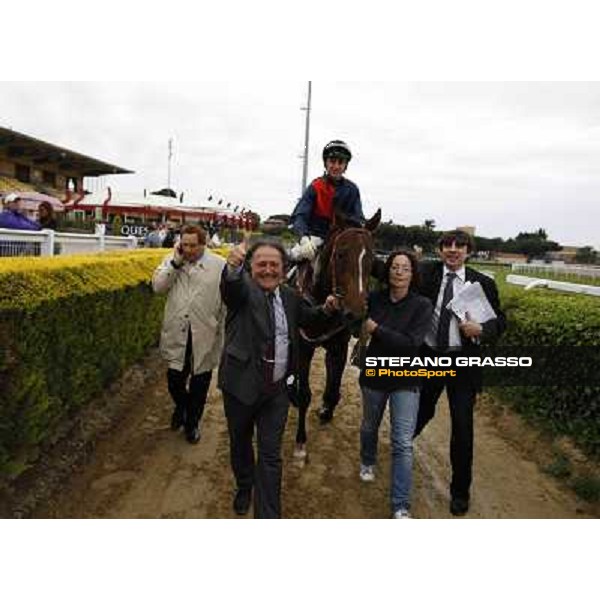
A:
[192, 331]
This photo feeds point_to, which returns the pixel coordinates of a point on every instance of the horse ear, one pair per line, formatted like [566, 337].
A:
[373, 223]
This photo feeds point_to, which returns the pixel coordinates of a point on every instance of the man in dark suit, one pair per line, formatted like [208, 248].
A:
[440, 281]
[259, 358]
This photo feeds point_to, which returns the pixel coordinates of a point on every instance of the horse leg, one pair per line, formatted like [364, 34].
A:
[336, 355]
[306, 352]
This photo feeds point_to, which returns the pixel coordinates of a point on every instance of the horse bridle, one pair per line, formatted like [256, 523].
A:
[334, 290]
[332, 265]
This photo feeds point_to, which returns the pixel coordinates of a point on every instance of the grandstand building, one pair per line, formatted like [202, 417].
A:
[28, 164]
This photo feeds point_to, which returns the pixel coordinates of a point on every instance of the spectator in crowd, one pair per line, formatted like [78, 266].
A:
[152, 239]
[170, 238]
[162, 232]
[46, 216]
[192, 331]
[398, 319]
[12, 217]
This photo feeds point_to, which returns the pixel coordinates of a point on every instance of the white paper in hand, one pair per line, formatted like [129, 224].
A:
[472, 299]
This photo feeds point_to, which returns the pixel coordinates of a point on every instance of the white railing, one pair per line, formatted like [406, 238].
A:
[545, 270]
[49, 243]
[562, 286]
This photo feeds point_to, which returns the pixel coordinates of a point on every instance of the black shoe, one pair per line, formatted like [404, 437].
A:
[325, 414]
[459, 507]
[177, 420]
[192, 435]
[241, 502]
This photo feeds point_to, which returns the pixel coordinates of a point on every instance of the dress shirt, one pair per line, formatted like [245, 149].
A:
[281, 338]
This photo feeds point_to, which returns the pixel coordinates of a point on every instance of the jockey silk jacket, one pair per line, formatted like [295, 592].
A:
[314, 211]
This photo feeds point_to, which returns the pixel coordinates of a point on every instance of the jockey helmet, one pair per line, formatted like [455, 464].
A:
[337, 149]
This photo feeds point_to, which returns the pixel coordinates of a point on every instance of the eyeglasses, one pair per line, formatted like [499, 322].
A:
[401, 269]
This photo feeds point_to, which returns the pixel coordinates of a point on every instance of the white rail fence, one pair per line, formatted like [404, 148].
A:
[51, 243]
[562, 286]
[555, 269]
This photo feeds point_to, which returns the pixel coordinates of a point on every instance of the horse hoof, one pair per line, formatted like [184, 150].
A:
[325, 414]
[300, 452]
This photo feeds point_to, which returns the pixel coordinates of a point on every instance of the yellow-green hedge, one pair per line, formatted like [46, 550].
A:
[68, 327]
[543, 318]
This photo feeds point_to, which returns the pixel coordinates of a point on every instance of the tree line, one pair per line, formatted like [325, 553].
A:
[534, 245]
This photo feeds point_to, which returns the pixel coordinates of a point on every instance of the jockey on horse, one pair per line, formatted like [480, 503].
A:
[312, 216]
[311, 220]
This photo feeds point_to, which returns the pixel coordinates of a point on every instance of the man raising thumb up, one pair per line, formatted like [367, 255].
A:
[259, 362]
[237, 256]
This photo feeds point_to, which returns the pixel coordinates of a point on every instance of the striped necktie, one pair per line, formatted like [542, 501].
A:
[443, 332]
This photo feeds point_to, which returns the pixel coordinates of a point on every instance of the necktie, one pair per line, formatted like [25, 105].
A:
[271, 305]
[443, 332]
[269, 358]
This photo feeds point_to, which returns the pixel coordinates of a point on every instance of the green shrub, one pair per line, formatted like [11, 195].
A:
[587, 487]
[68, 327]
[560, 467]
[547, 318]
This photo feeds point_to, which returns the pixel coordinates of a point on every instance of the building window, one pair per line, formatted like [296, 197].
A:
[49, 178]
[23, 173]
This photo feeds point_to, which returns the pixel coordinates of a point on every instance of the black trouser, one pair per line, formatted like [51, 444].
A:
[189, 402]
[336, 355]
[461, 399]
[269, 415]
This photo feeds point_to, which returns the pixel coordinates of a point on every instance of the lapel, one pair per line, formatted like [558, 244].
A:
[436, 279]
[260, 311]
[289, 313]
[470, 275]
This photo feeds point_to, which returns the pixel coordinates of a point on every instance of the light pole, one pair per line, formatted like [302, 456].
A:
[169, 163]
[307, 108]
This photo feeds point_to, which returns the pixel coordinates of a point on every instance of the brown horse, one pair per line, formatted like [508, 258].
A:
[344, 267]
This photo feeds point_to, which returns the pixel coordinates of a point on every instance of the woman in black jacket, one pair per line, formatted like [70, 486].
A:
[399, 319]
[46, 216]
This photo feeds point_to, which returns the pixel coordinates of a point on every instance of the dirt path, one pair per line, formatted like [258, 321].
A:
[139, 468]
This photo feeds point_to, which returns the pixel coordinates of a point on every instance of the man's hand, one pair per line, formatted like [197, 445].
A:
[370, 326]
[177, 254]
[237, 256]
[332, 304]
[470, 329]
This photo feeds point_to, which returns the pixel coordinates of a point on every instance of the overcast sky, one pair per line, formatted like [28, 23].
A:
[504, 157]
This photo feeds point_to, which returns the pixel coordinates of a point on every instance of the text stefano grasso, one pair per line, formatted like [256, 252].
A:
[448, 361]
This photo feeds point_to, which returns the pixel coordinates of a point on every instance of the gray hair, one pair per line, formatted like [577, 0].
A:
[268, 242]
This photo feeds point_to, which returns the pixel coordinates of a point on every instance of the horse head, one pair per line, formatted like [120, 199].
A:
[348, 254]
